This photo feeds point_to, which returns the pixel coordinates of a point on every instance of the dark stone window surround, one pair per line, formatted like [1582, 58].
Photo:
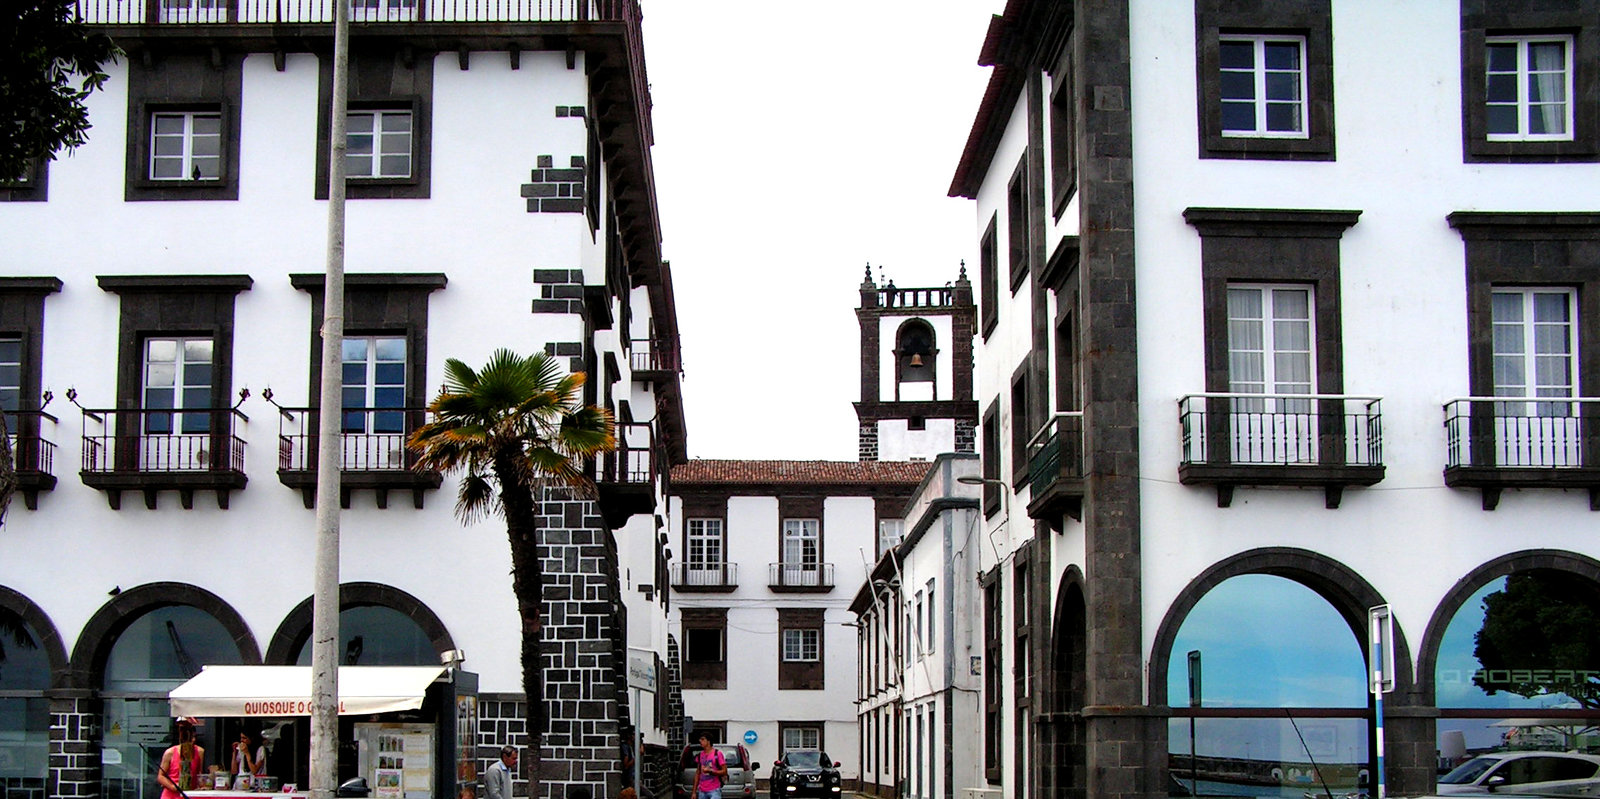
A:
[1312, 19]
[1021, 420]
[703, 507]
[382, 80]
[100, 633]
[181, 82]
[1292, 247]
[1063, 131]
[705, 675]
[990, 450]
[802, 676]
[22, 301]
[36, 188]
[164, 305]
[993, 669]
[1529, 249]
[48, 638]
[1017, 224]
[1580, 19]
[795, 507]
[378, 304]
[295, 629]
[989, 278]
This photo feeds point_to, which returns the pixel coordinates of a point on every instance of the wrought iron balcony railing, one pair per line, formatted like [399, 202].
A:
[1281, 429]
[654, 355]
[277, 12]
[372, 453]
[1327, 440]
[705, 576]
[1055, 468]
[154, 449]
[33, 455]
[800, 576]
[626, 476]
[1494, 443]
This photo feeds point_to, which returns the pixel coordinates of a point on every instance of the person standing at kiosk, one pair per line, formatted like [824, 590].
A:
[497, 778]
[180, 764]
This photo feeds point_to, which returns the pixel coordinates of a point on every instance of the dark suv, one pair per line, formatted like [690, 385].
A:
[741, 782]
[805, 772]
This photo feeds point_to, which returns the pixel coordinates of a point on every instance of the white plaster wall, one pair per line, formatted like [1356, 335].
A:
[896, 442]
[1398, 127]
[752, 699]
[489, 125]
[944, 372]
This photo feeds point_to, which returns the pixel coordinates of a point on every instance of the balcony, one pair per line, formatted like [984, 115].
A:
[1493, 444]
[372, 454]
[33, 455]
[626, 475]
[705, 578]
[1055, 469]
[153, 450]
[654, 360]
[800, 578]
[1306, 440]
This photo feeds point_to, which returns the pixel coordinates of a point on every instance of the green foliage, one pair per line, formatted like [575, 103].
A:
[49, 63]
[1541, 635]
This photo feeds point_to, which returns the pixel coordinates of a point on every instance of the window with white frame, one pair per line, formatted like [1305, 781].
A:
[383, 10]
[1270, 351]
[193, 11]
[917, 644]
[932, 634]
[890, 532]
[802, 646]
[801, 738]
[1535, 348]
[177, 376]
[1263, 84]
[1529, 88]
[186, 145]
[374, 380]
[802, 551]
[10, 376]
[704, 559]
[378, 144]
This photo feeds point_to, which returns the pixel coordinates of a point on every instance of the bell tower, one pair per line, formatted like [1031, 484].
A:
[916, 370]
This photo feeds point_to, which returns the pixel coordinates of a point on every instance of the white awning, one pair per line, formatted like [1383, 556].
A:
[286, 690]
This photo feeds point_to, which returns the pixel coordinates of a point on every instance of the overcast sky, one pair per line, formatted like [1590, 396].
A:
[795, 143]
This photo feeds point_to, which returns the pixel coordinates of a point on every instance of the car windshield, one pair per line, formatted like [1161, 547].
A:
[1469, 771]
[805, 759]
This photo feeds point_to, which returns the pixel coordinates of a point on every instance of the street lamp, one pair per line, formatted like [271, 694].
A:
[1005, 501]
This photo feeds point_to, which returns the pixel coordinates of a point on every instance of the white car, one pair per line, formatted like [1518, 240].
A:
[1542, 773]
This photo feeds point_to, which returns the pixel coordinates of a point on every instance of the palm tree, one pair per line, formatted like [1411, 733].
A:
[512, 428]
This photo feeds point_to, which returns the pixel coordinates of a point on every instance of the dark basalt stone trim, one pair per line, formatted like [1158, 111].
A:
[1579, 19]
[295, 629]
[100, 634]
[1311, 19]
[47, 637]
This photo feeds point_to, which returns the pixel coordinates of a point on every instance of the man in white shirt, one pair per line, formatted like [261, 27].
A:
[497, 778]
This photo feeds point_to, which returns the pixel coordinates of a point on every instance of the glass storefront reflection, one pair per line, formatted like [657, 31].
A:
[24, 712]
[1287, 674]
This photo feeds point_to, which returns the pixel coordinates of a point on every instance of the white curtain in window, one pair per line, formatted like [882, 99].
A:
[1549, 63]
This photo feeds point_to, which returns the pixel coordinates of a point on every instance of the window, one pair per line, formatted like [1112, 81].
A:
[705, 544]
[183, 123]
[705, 658]
[890, 533]
[1017, 224]
[1535, 341]
[1022, 428]
[1529, 93]
[919, 634]
[30, 186]
[993, 720]
[10, 377]
[1063, 130]
[932, 634]
[1270, 335]
[383, 10]
[1265, 79]
[193, 11]
[186, 145]
[1529, 88]
[389, 127]
[802, 551]
[990, 455]
[374, 378]
[177, 375]
[378, 144]
[989, 279]
[1263, 86]
[801, 646]
[800, 737]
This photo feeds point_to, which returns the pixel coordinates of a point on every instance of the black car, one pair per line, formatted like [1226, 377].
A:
[805, 772]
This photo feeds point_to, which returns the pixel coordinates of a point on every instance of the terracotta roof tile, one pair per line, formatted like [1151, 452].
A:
[713, 472]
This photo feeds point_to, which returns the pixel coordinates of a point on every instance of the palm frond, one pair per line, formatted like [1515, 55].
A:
[476, 499]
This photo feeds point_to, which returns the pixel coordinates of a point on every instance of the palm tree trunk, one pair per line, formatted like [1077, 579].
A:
[8, 469]
[527, 584]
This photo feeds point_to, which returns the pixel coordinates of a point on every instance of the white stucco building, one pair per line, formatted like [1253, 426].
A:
[1256, 281]
[160, 296]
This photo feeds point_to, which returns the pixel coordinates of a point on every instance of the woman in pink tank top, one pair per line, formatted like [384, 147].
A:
[181, 764]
